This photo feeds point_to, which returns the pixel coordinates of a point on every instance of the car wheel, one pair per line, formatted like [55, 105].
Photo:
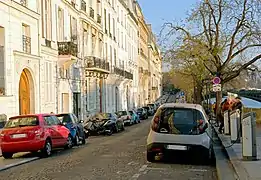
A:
[83, 139]
[150, 156]
[69, 143]
[47, 150]
[7, 155]
[76, 140]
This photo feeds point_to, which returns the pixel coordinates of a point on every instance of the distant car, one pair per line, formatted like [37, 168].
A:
[142, 113]
[119, 124]
[134, 116]
[153, 106]
[70, 121]
[31, 133]
[180, 127]
[149, 110]
[126, 117]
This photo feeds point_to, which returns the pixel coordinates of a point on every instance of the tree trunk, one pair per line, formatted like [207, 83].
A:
[198, 93]
[218, 105]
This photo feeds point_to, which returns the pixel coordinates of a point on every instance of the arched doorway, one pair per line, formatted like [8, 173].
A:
[116, 98]
[26, 94]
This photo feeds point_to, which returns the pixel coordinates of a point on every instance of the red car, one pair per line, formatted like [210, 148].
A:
[31, 133]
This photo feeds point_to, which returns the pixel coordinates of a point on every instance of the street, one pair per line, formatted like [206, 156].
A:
[120, 156]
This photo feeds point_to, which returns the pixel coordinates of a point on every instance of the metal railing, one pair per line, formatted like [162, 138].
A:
[67, 48]
[94, 62]
[119, 71]
[26, 44]
[128, 75]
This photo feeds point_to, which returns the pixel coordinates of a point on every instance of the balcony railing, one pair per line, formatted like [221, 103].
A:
[91, 12]
[26, 44]
[99, 18]
[97, 63]
[67, 48]
[83, 5]
[119, 71]
[128, 75]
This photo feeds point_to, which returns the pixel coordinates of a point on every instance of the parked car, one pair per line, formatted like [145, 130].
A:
[134, 116]
[153, 107]
[31, 133]
[119, 124]
[125, 116]
[179, 127]
[142, 113]
[70, 121]
[149, 110]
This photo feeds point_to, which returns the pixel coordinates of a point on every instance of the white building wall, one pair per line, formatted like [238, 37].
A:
[13, 15]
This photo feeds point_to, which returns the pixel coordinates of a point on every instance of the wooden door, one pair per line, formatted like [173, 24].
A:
[24, 94]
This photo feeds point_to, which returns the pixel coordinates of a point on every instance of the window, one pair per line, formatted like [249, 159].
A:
[48, 82]
[22, 122]
[105, 21]
[49, 121]
[48, 19]
[106, 52]
[60, 27]
[115, 57]
[73, 28]
[26, 37]
[109, 19]
[113, 28]
[111, 55]
[2, 61]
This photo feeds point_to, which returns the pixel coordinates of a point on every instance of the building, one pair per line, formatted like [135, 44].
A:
[21, 67]
[80, 56]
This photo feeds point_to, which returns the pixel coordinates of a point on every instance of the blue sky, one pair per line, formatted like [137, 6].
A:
[156, 12]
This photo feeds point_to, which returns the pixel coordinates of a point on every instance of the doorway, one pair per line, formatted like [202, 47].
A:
[26, 99]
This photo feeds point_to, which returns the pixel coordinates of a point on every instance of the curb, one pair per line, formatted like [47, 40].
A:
[225, 170]
[18, 163]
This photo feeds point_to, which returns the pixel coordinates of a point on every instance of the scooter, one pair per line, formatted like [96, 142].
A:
[97, 127]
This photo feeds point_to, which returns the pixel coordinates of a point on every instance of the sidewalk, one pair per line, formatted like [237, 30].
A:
[245, 170]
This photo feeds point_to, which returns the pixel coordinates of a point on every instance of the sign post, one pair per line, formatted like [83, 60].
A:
[216, 84]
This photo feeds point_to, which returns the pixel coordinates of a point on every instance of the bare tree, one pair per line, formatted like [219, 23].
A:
[229, 31]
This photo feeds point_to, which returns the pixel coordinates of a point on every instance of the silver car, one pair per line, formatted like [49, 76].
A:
[179, 127]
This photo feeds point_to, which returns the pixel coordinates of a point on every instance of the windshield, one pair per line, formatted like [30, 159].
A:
[22, 122]
[178, 120]
[64, 118]
[146, 107]
[122, 113]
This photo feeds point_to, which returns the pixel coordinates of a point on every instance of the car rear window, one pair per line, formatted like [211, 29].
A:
[122, 113]
[22, 122]
[178, 120]
[64, 118]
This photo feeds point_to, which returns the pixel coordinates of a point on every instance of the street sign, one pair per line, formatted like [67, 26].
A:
[216, 80]
[216, 87]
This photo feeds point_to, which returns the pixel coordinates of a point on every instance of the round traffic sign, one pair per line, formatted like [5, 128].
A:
[216, 80]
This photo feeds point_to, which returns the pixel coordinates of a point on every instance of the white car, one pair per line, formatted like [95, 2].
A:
[179, 127]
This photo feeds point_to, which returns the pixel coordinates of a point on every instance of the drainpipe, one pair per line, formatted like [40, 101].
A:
[39, 54]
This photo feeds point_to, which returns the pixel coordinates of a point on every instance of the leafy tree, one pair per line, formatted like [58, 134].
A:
[228, 31]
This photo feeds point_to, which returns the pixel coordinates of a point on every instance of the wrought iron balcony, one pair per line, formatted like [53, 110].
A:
[91, 12]
[83, 5]
[97, 64]
[99, 18]
[67, 48]
[119, 71]
[26, 44]
[128, 75]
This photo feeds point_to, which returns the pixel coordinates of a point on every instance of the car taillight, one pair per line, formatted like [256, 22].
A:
[155, 123]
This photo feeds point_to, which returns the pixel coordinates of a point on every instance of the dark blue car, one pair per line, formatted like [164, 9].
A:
[70, 121]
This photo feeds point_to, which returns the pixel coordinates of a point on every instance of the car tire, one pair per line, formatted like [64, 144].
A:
[47, 150]
[7, 155]
[150, 156]
[83, 139]
[76, 141]
[69, 143]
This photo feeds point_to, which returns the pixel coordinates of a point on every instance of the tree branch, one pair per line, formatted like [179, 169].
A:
[243, 49]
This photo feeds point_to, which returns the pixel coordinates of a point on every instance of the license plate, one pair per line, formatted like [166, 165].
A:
[19, 136]
[177, 147]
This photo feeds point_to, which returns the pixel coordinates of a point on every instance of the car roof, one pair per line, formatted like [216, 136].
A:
[31, 115]
[183, 105]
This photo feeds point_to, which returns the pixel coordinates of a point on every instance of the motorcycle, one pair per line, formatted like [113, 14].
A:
[97, 127]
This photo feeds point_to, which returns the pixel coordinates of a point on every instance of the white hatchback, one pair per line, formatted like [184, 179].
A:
[180, 127]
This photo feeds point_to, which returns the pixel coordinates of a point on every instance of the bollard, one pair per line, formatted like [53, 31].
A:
[234, 127]
[249, 149]
[226, 123]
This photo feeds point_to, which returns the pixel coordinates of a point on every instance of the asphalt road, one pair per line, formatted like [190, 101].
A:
[121, 156]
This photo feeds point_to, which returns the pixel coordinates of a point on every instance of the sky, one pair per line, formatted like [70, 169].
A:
[157, 12]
